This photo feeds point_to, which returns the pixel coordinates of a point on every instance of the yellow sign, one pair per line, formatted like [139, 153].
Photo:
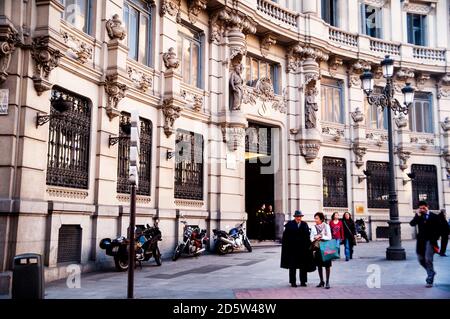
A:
[360, 209]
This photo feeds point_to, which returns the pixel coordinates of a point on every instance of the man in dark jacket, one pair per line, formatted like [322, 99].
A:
[295, 249]
[427, 237]
[445, 230]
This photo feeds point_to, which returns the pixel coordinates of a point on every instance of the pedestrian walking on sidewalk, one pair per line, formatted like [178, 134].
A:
[349, 235]
[337, 227]
[319, 232]
[427, 237]
[445, 230]
[295, 252]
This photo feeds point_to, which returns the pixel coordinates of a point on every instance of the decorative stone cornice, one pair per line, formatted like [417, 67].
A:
[194, 9]
[115, 92]
[115, 29]
[378, 138]
[266, 42]
[67, 193]
[140, 80]
[421, 79]
[418, 8]
[170, 59]
[443, 86]
[230, 19]
[263, 91]
[336, 133]
[405, 74]
[309, 149]
[234, 136]
[45, 59]
[82, 50]
[171, 111]
[9, 40]
[194, 100]
[359, 150]
[356, 68]
[357, 115]
[172, 7]
[376, 3]
[333, 64]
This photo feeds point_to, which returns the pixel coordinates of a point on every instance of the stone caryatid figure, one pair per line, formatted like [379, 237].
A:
[311, 107]
[115, 29]
[237, 87]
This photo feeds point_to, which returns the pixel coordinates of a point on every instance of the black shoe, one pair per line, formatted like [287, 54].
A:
[293, 285]
[303, 284]
[442, 255]
[327, 286]
[321, 284]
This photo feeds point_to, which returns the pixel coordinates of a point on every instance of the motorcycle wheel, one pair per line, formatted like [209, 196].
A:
[222, 249]
[177, 252]
[121, 265]
[247, 245]
[157, 256]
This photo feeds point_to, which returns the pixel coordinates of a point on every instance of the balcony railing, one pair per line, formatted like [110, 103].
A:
[429, 54]
[384, 47]
[275, 11]
[343, 37]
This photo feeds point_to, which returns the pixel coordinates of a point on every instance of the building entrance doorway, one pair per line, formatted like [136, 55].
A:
[259, 183]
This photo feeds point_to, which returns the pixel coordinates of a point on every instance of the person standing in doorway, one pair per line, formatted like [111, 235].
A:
[319, 232]
[261, 220]
[349, 235]
[295, 252]
[445, 230]
[427, 237]
[270, 223]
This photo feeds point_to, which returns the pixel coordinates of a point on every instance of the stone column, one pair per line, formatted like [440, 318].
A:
[443, 95]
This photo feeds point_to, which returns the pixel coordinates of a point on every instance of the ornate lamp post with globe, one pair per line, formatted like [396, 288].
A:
[386, 99]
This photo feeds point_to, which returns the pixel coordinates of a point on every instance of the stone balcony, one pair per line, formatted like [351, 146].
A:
[291, 26]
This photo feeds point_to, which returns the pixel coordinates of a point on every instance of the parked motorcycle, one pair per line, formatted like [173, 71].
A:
[194, 241]
[236, 238]
[361, 229]
[146, 239]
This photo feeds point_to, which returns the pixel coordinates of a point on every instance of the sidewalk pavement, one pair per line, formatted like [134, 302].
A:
[258, 275]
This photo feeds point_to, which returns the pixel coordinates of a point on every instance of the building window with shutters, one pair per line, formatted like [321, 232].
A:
[69, 244]
[334, 182]
[69, 139]
[189, 44]
[79, 14]
[417, 28]
[425, 186]
[145, 153]
[330, 12]
[137, 15]
[421, 113]
[332, 100]
[371, 20]
[188, 165]
[378, 185]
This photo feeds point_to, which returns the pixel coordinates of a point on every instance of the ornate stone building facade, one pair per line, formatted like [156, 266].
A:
[220, 86]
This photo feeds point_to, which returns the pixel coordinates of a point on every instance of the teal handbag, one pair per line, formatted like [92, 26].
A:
[329, 249]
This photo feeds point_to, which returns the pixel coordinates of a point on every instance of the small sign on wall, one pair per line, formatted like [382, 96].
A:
[360, 209]
[231, 161]
[4, 96]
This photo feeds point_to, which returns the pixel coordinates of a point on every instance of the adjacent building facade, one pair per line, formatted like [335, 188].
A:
[242, 103]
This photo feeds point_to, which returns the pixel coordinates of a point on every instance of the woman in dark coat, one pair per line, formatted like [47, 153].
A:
[295, 250]
[349, 235]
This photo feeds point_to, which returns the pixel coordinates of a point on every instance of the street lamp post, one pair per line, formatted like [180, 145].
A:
[386, 99]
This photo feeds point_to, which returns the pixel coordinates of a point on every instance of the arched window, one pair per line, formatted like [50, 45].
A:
[69, 135]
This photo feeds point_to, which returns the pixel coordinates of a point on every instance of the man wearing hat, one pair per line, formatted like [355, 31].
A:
[295, 252]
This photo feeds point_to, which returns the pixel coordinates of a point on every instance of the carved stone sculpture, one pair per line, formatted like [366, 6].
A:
[311, 106]
[171, 112]
[236, 87]
[46, 59]
[194, 8]
[115, 29]
[9, 40]
[115, 92]
[170, 59]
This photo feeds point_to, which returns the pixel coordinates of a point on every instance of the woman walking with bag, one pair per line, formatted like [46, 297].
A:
[349, 235]
[321, 232]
